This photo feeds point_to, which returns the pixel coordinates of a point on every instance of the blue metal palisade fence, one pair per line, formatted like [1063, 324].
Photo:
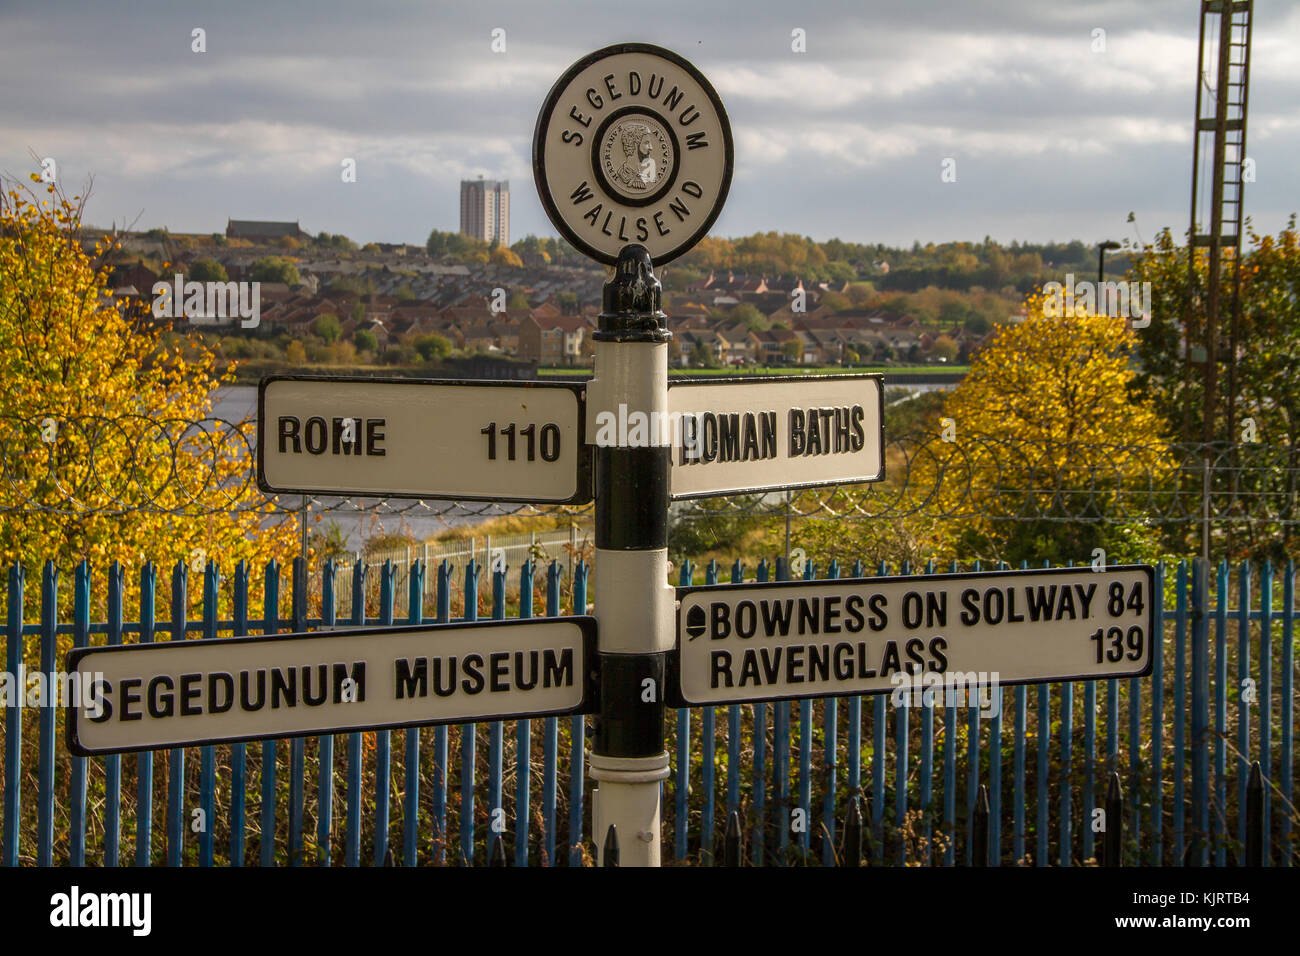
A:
[1183, 743]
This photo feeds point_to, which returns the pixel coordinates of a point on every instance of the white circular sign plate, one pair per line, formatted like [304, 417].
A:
[632, 146]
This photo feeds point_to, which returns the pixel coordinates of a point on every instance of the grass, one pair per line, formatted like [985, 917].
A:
[783, 370]
[513, 524]
[251, 371]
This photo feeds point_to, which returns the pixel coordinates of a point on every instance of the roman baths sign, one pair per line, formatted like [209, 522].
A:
[773, 433]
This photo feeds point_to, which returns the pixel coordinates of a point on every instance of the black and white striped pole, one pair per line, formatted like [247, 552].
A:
[634, 602]
[633, 157]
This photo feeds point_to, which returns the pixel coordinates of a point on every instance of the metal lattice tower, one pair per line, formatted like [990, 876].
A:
[1223, 77]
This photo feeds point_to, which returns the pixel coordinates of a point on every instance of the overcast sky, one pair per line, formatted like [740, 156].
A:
[1051, 139]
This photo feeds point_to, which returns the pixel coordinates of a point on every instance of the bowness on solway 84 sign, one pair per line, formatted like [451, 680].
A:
[144, 696]
[826, 638]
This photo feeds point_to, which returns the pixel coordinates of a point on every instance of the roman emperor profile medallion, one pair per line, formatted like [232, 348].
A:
[635, 156]
[632, 146]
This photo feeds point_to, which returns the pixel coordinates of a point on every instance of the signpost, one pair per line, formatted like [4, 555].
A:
[185, 693]
[632, 156]
[738, 436]
[633, 159]
[414, 438]
[746, 642]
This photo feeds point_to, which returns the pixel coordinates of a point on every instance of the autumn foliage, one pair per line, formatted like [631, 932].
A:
[1048, 426]
[106, 456]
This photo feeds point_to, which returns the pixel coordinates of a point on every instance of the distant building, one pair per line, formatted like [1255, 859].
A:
[553, 340]
[137, 275]
[485, 209]
[255, 230]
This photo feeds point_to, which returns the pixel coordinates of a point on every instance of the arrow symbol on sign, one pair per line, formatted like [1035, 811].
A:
[695, 622]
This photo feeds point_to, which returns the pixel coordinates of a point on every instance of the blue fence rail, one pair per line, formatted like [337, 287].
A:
[789, 772]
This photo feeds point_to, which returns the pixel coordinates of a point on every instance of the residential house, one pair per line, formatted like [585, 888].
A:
[406, 316]
[801, 320]
[136, 274]
[821, 346]
[548, 309]
[478, 336]
[505, 331]
[681, 323]
[770, 347]
[691, 341]
[735, 347]
[815, 352]
[557, 340]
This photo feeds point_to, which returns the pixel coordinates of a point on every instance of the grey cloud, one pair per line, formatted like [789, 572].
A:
[252, 127]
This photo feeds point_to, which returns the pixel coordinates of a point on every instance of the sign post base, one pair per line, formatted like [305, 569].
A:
[627, 797]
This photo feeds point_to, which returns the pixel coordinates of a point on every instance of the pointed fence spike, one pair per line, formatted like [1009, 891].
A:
[498, 856]
[1113, 844]
[853, 833]
[1255, 817]
[610, 853]
[868, 848]
[731, 846]
[979, 829]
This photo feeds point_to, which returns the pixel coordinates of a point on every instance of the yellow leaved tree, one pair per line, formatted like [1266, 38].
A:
[1046, 450]
[106, 453]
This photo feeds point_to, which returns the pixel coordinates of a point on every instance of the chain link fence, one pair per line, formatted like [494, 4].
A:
[91, 465]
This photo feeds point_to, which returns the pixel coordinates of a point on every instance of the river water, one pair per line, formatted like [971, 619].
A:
[235, 403]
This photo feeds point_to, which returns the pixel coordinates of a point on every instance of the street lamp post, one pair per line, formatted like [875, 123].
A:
[1102, 249]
